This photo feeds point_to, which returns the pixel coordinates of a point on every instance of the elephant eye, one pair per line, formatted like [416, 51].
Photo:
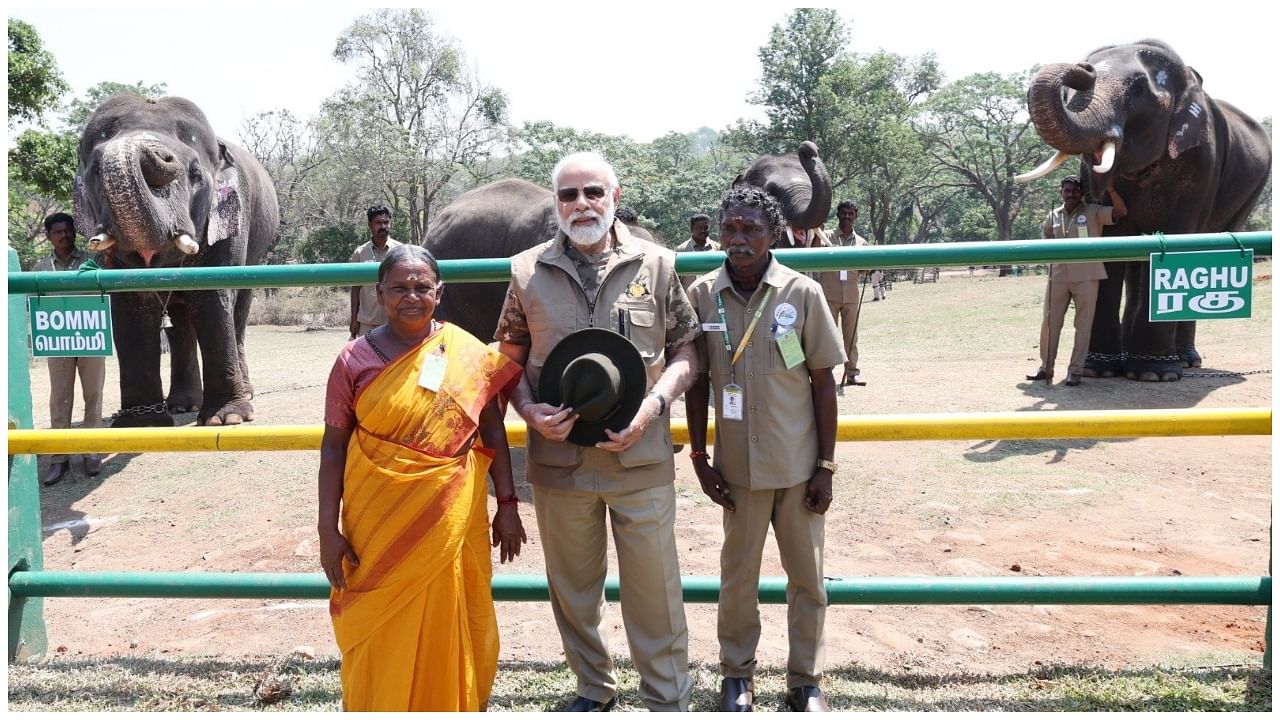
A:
[194, 174]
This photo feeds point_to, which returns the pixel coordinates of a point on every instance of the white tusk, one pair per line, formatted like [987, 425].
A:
[1045, 168]
[101, 242]
[186, 244]
[1108, 158]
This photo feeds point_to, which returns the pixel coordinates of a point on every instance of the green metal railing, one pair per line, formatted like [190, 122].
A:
[499, 269]
[29, 583]
[1224, 590]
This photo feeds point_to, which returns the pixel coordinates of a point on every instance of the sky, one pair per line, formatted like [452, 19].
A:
[614, 69]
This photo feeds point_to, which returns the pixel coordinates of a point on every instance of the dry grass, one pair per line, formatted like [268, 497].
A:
[204, 683]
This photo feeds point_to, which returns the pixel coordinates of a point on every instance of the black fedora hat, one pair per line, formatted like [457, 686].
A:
[599, 374]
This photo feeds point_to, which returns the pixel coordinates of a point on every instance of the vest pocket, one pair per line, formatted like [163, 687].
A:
[653, 447]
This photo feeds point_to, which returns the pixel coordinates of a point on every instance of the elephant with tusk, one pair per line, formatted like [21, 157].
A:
[507, 217]
[155, 187]
[1140, 121]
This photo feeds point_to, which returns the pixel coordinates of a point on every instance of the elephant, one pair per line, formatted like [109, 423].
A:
[1183, 162]
[505, 217]
[156, 188]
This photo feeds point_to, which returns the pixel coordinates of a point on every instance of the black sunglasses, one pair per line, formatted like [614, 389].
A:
[591, 192]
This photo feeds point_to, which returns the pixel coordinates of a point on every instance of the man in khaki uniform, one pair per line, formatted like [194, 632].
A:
[1073, 282]
[699, 241]
[843, 291]
[769, 344]
[366, 311]
[61, 231]
[594, 273]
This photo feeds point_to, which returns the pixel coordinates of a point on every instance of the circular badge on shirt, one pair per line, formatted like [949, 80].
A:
[785, 314]
[1081, 220]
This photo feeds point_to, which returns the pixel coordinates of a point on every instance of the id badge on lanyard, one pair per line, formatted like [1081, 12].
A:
[732, 396]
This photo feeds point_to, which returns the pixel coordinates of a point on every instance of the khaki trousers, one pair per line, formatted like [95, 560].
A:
[62, 393]
[366, 328]
[800, 541]
[1084, 294]
[846, 316]
[571, 525]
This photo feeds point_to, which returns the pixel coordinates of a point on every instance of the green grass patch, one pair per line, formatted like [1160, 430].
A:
[296, 685]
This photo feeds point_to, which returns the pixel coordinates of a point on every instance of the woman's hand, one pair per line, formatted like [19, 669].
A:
[334, 547]
[508, 532]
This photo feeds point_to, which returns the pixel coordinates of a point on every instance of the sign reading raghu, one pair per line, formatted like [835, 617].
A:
[70, 325]
[1205, 285]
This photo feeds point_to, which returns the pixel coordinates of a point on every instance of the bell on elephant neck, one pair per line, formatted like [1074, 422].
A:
[165, 322]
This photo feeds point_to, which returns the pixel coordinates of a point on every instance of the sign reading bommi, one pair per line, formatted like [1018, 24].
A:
[70, 325]
[1205, 285]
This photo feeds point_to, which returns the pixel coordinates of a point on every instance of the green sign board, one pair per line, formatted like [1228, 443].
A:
[1205, 285]
[70, 325]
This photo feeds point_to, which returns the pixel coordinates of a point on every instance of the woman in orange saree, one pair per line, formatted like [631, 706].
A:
[409, 566]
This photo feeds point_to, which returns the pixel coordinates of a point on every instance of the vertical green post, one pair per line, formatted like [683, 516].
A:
[27, 640]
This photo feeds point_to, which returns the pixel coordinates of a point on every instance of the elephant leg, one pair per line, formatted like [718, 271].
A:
[225, 400]
[1186, 344]
[185, 390]
[135, 325]
[1106, 341]
[244, 299]
[1152, 355]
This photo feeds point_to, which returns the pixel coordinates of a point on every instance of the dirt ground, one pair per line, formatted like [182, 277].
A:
[1128, 507]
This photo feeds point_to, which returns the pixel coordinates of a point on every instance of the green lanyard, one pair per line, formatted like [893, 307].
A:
[746, 337]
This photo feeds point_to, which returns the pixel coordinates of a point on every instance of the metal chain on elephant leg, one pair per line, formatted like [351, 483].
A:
[160, 407]
[1228, 374]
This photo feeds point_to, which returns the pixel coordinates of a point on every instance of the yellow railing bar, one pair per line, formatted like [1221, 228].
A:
[933, 426]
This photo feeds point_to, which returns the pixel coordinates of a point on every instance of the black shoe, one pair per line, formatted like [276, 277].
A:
[55, 473]
[92, 464]
[806, 699]
[1040, 375]
[737, 694]
[582, 704]
[1072, 380]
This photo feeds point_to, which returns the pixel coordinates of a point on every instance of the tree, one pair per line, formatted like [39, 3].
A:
[415, 117]
[977, 131]
[857, 109]
[290, 153]
[35, 83]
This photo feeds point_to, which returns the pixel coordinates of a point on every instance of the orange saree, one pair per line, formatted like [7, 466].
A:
[416, 623]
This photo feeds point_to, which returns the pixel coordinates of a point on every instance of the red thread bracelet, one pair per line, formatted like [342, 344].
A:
[509, 500]
[695, 454]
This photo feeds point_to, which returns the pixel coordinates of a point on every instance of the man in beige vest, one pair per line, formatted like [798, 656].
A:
[61, 231]
[1073, 282]
[767, 349]
[366, 311]
[594, 273]
[843, 292]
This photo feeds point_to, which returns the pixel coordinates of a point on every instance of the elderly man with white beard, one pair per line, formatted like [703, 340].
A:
[595, 274]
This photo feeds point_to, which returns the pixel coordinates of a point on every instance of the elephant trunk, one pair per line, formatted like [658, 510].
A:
[138, 177]
[805, 200]
[1077, 126]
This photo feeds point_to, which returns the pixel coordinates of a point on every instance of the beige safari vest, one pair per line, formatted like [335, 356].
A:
[636, 283]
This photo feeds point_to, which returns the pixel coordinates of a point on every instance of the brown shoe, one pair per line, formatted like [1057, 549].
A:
[806, 699]
[737, 694]
[55, 473]
[92, 464]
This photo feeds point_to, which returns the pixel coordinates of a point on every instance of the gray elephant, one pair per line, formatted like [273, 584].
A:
[156, 188]
[1183, 162]
[506, 217]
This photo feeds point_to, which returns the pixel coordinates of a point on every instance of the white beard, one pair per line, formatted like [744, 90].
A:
[588, 235]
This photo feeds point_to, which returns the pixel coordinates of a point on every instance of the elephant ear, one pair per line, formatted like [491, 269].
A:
[226, 214]
[1189, 125]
